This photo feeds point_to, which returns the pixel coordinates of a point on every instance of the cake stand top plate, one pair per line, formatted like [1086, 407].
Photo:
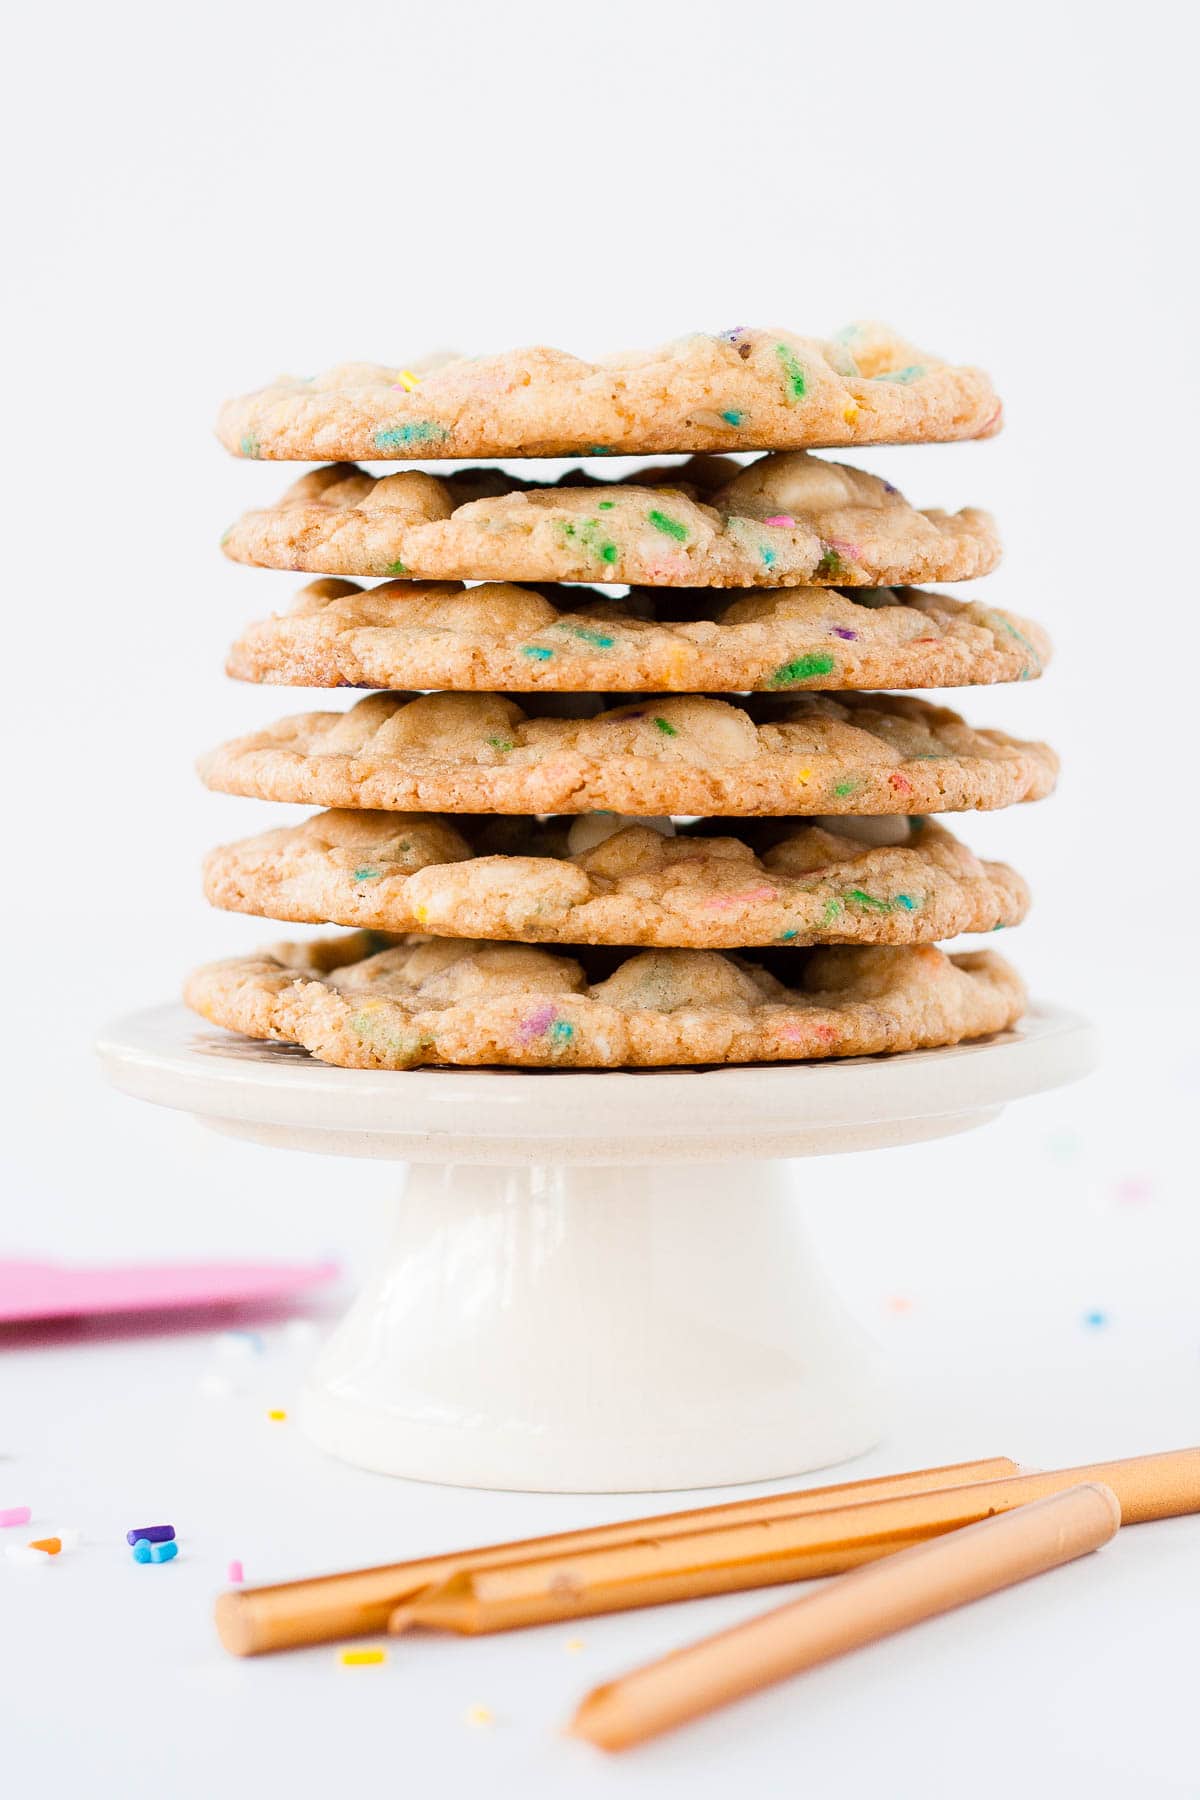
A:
[276, 1094]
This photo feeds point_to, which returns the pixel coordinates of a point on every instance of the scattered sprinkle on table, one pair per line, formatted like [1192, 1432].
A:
[235, 1571]
[1096, 1319]
[151, 1534]
[26, 1554]
[51, 1545]
[574, 1645]
[277, 1413]
[16, 1515]
[480, 1717]
[359, 1659]
[164, 1552]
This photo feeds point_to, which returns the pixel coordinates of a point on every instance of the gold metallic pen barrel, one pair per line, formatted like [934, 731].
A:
[251, 1621]
[655, 1570]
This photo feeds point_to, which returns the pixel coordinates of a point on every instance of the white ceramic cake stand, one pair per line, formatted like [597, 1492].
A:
[599, 1281]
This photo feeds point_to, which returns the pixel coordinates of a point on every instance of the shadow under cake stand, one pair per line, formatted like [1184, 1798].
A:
[599, 1281]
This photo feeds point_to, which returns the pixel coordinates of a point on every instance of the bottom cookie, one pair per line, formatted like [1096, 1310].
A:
[365, 1001]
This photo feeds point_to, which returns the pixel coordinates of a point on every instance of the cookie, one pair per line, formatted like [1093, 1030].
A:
[497, 637]
[602, 879]
[743, 389]
[449, 1001]
[692, 755]
[783, 521]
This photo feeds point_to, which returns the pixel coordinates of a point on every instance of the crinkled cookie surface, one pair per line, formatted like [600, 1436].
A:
[498, 637]
[784, 521]
[446, 1001]
[604, 880]
[740, 389]
[688, 755]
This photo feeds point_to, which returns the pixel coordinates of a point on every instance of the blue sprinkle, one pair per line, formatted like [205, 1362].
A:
[141, 1550]
[1096, 1319]
[164, 1552]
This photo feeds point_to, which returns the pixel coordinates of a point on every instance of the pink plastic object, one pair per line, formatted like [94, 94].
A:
[32, 1290]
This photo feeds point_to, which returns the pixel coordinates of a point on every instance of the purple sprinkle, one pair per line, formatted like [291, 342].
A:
[889, 489]
[839, 631]
[536, 1023]
[153, 1534]
[733, 334]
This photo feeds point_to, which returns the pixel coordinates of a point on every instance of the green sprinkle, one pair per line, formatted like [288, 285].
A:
[366, 874]
[787, 936]
[767, 555]
[502, 744]
[562, 1031]
[249, 446]
[845, 787]
[601, 450]
[801, 668]
[599, 640]
[830, 564]
[832, 909]
[735, 418]
[666, 727]
[423, 431]
[396, 568]
[867, 900]
[998, 622]
[913, 372]
[608, 553]
[792, 371]
[670, 527]
[538, 652]
[999, 925]
[907, 902]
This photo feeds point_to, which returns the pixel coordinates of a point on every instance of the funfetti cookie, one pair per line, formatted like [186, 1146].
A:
[740, 389]
[445, 1001]
[501, 638]
[603, 879]
[689, 755]
[784, 521]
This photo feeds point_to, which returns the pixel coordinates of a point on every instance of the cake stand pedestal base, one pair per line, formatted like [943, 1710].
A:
[600, 1282]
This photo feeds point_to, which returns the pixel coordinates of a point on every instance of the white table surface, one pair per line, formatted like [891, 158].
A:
[976, 1261]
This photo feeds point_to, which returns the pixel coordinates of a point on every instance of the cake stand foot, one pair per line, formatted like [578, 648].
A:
[592, 1329]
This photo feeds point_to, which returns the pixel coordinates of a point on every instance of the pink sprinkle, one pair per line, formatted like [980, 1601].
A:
[16, 1515]
[901, 783]
[826, 1033]
[780, 519]
[235, 1572]
[747, 899]
[843, 548]
[536, 1023]
[1133, 1190]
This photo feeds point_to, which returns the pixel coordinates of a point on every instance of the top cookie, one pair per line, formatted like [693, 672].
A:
[744, 389]
[783, 521]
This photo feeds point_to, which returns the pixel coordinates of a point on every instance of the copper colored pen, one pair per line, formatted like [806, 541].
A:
[362, 1601]
[869, 1603]
[652, 1569]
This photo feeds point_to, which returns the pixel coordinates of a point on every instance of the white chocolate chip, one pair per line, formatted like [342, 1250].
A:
[590, 829]
[887, 828]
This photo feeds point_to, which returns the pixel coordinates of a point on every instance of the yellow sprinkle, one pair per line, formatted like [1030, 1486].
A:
[407, 380]
[574, 1644]
[479, 1717]
[803, 777]
[277, 1412]
[357, 1659]
[422, 913]
[850, 413]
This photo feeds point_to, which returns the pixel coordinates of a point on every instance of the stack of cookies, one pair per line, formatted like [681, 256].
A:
[659, 823]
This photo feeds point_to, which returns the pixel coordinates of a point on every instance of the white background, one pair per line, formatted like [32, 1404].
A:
[202, 197]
